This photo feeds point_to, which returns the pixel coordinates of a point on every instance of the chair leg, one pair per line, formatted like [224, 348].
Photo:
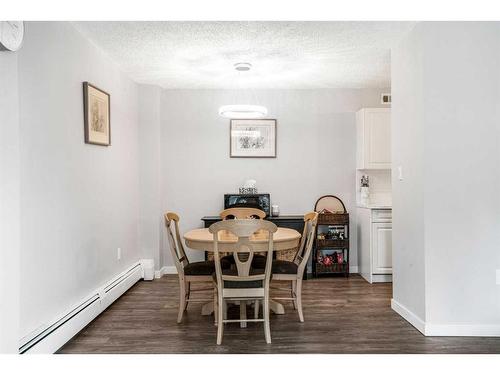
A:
[265, 313]
[256, 309]
[220, 318]
[182, 300]
[216, 307]
[294, 294]
[299, 300]
[243, 313]
[188, 294]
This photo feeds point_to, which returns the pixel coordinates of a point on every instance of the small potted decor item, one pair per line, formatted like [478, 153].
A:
[249, 187]
[365, 190]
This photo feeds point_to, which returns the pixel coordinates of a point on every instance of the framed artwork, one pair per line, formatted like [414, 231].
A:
[252, 138]
[96, 118]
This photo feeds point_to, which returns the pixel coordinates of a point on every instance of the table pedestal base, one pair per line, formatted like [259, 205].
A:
[276, 307]
[207, 308]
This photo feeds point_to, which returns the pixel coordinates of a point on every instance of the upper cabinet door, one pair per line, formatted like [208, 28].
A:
[374, 138]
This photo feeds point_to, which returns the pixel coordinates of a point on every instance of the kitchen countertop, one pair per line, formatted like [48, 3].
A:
[375, 206]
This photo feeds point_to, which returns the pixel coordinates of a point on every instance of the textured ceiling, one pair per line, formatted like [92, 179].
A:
[283, 54]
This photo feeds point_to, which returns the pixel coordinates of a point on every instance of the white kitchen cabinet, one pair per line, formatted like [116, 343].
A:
[382, 248]
[374, 234]
[373, 128]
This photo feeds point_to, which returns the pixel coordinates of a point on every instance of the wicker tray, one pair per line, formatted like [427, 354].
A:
[333, 219]
[332, 243]
[333, 268]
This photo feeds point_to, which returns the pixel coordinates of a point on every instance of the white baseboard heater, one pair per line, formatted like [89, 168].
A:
[53, 336]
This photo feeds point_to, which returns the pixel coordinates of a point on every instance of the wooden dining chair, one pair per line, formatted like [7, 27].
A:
[188, 272]
[242, 213]
[243, 283]
[258, 260]
[293, 271]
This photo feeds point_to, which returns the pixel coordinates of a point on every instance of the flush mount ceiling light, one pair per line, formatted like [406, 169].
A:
[242, 111]
[242, 66]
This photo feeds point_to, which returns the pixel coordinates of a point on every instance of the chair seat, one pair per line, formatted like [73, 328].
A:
[284, 267]
[205, 268]
[241, 284]
[258, 261]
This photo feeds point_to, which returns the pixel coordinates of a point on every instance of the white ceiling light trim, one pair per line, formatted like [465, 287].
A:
[242, 111]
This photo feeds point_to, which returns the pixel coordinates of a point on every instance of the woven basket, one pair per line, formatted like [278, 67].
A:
[287, 254]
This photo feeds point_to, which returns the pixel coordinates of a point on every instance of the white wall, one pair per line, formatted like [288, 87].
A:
[462, 173]
[315, 152]
[9, 209]
[79, 202]
[446, 90]
[407, 135]
[150, 222]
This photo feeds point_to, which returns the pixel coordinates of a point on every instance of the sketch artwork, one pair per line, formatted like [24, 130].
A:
[96, 115]
[253, 139]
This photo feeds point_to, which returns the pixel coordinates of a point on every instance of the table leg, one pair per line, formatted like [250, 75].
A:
[276, 307]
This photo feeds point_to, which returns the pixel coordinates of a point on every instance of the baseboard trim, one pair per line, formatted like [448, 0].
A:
[52, 336]
[450, 330]
[478, 330]
[409, 316]
[378, 278]
[165, 270]
[171, 270]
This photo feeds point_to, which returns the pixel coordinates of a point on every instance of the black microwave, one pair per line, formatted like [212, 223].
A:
[260, 201]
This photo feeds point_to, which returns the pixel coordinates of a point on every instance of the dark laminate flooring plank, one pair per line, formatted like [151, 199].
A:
[342, 316]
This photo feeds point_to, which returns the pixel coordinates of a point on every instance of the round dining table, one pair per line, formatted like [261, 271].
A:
[202, 239]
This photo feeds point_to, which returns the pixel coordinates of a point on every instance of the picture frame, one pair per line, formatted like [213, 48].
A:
[252, 138]
[97, 115]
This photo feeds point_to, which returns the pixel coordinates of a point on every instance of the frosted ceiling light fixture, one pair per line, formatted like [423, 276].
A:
[242, 111]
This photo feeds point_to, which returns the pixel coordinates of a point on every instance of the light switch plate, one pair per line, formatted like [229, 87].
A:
[498, 277]
[400, 173]
[119, 253]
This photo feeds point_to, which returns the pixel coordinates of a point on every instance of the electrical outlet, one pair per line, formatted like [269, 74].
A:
[498, 277]
[119, 253]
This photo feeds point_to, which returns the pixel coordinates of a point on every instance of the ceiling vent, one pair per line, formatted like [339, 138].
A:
[385, 99]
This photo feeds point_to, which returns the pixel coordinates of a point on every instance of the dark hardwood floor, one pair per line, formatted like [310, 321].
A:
[341, 316]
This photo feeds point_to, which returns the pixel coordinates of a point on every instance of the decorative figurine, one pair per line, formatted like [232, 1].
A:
[365, 190]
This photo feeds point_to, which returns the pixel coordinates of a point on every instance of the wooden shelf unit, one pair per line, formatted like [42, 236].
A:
[329, 246]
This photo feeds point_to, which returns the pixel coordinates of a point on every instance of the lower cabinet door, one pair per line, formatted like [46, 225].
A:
[382, 248]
